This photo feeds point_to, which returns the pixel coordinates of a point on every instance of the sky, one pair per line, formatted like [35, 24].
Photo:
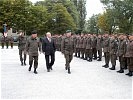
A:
[92, 7]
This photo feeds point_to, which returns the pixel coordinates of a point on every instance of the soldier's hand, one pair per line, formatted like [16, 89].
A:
[40, 52]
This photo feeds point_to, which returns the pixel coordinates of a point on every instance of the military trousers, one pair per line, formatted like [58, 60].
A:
[107, 57]
[130, 63]
[88, 53]
[7, 45]
[22, 55]
[11, 45]
[68, 59]
[77, 52]
[122, 61]
[94, 52]
[99, 53]
[2, 44]
[82, 50]
[35, 59]
[113, 58]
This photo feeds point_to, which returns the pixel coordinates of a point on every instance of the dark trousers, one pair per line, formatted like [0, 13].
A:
[94, 51]
[35, 58]
[122, 61]
[107, 57]
[21, 52]
[68, 60]
[2, 44]
[7, 45]
[130, 63]
[100, 53]
[113, 58]
[11, 45]
[50, 62]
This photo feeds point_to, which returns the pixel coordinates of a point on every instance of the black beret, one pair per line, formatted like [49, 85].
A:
[34, 32]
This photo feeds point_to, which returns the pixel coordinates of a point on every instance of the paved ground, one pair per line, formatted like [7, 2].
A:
[87, 81]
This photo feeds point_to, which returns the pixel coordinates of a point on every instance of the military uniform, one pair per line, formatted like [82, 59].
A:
[67, 48]
[89, 49]
[129, 56]
[94, 50]
[77, 51]
[121, 53]
[21, 46]
[81, 47]
[106, 51]
[99, 48]
[32, 46]
[2, 41]
[113, 52]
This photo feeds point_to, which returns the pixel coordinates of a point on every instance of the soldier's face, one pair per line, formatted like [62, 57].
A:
[34, 35]
[68, 34]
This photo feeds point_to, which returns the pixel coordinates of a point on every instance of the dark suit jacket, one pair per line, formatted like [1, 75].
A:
[48, 47]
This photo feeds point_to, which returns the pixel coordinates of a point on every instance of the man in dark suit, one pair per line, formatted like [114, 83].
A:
[48, 48]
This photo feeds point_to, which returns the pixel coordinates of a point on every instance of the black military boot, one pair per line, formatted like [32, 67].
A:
[35, 71]
[129, 73]
[21, 63]
[24, 62]
[112, 68]
[121, 70]
[29, 68]
[106, 66]
[99, 59]
[69, 72]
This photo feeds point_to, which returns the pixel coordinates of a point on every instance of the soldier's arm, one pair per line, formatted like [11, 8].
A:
[27, 46]
[62, 45]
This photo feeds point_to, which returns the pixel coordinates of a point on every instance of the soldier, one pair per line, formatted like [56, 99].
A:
[67, 48]
[121, 53]
[77, 51]
[129, 55]
[81, 46]
[94, 43]
[11, 41]
[113, 52]
[106, 50]
[99, 47]
[21, 46]
[89, 48]
[2, 41]
[32, 46]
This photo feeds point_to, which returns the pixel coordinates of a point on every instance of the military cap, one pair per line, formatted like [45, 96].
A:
[67, 31]
[34, 32]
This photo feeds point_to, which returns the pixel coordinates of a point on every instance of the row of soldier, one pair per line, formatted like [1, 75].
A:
[89, 47]
[6, 40]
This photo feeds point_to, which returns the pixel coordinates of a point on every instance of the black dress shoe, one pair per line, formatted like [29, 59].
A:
[29, 68]
[66, 68]
[48, 70]
[21, 63]
[35, 72]
[106, 66]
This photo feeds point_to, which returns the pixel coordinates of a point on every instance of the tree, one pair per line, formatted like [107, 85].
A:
[123, 13]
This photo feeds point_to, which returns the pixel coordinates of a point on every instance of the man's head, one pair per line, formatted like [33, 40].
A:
[68, 33]
[34, 34]
[48, 34]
